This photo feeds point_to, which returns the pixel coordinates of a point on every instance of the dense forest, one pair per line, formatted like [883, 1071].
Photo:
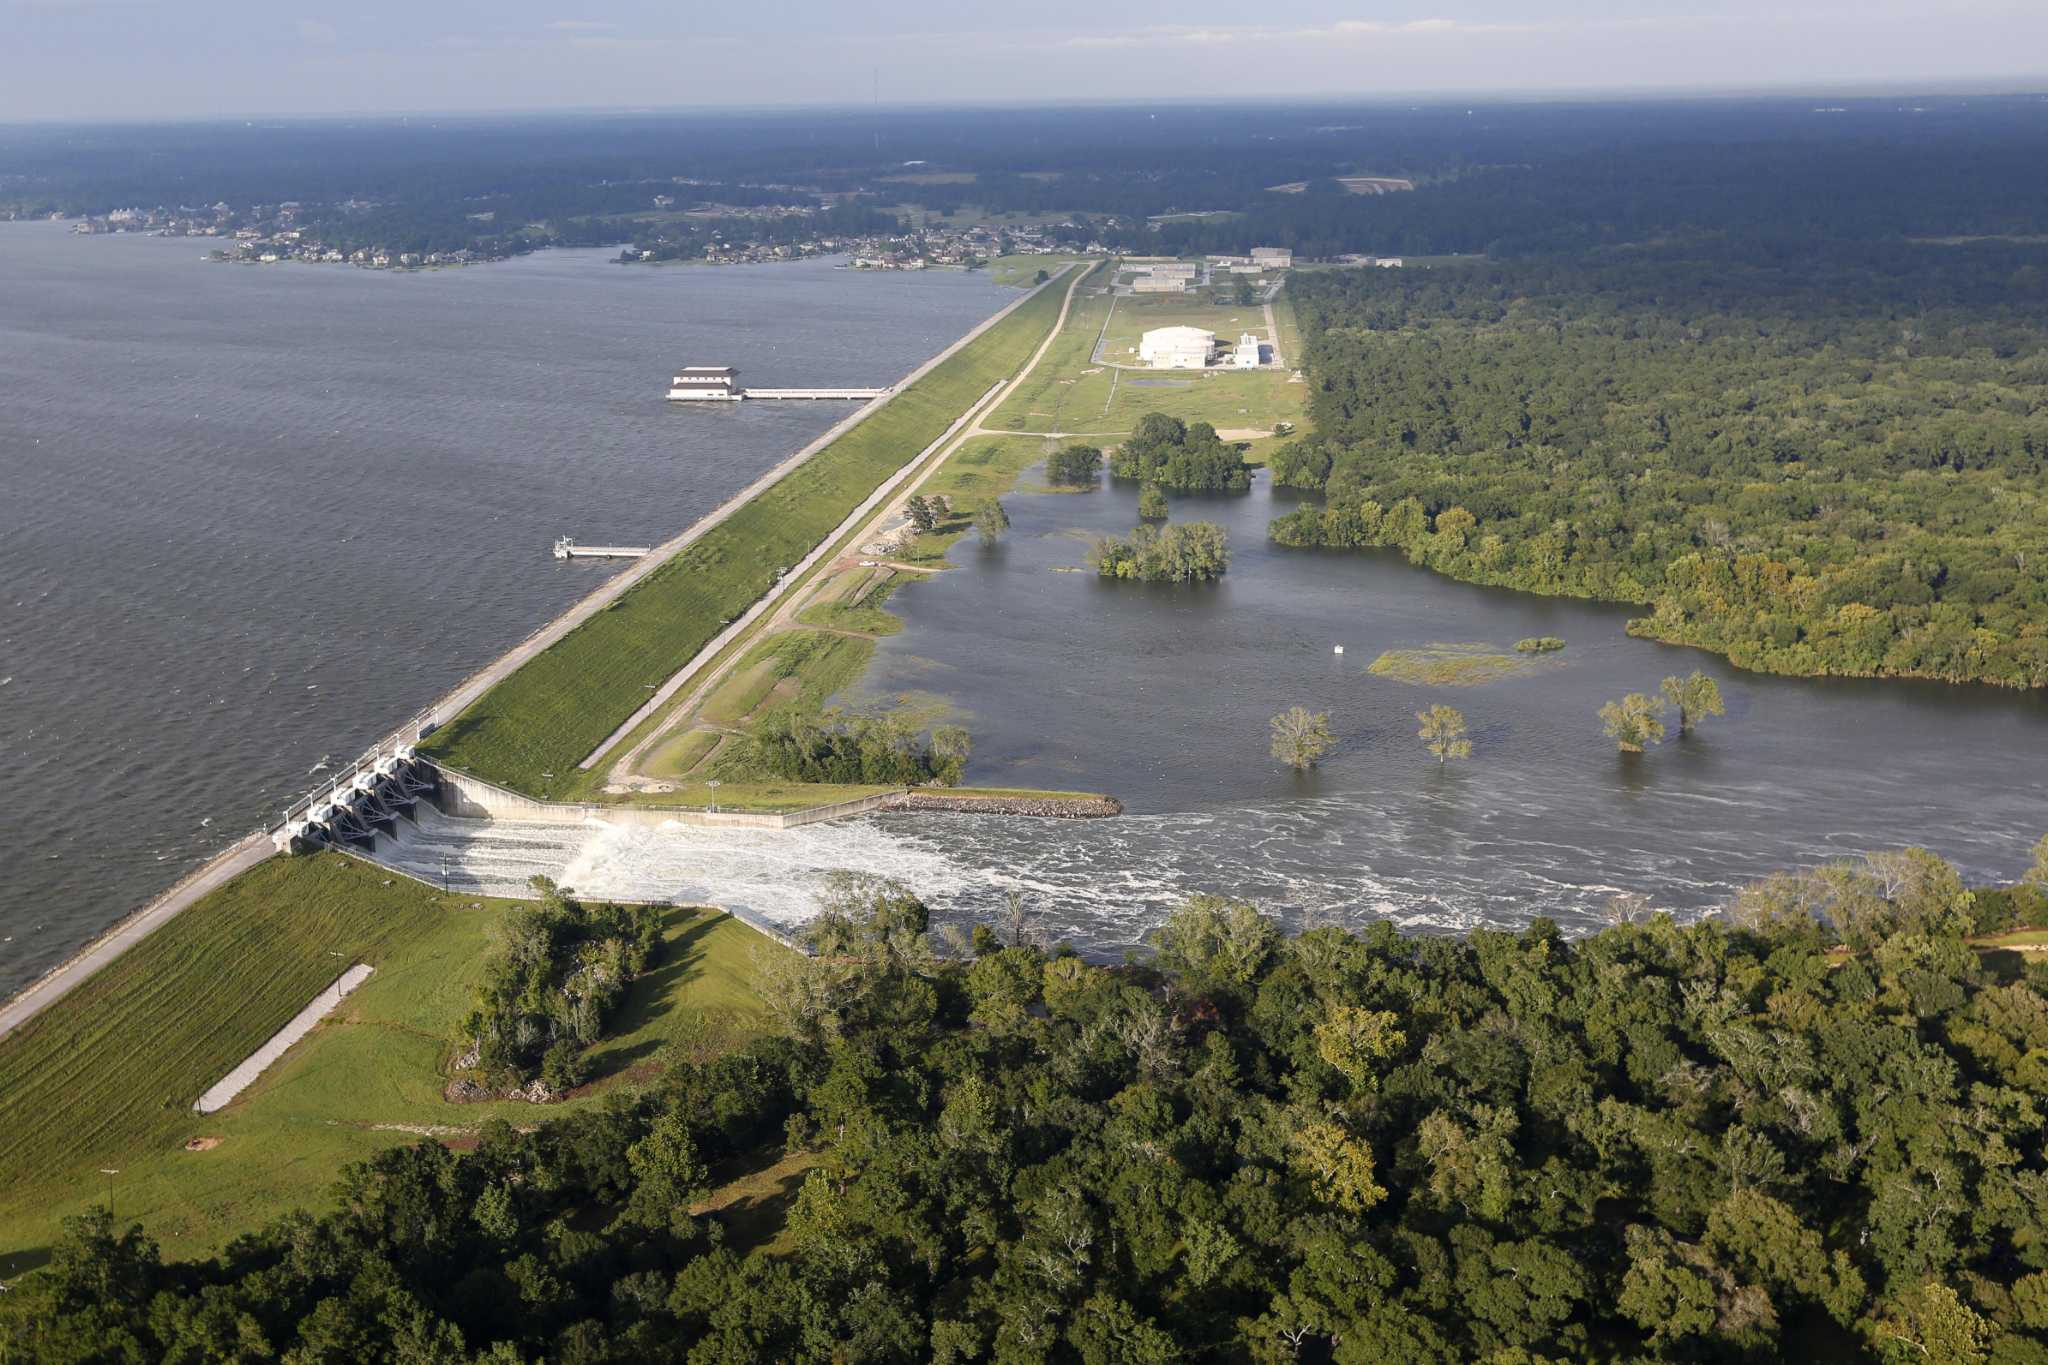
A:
[1817, 462]
[1810, 1129]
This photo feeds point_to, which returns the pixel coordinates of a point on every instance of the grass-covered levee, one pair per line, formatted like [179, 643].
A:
[1809, 1128]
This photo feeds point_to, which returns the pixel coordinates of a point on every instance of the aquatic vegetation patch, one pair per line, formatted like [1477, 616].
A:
[1453, 665]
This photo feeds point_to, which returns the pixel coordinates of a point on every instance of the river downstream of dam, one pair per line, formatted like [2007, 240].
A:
[254, 516]
[1160, 696]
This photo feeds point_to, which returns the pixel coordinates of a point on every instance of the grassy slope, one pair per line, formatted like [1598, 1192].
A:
[107, 1077]
[551, 713]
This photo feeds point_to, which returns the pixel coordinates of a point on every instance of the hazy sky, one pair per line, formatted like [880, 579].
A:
[150, 58]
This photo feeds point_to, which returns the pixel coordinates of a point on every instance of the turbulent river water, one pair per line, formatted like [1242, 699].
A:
[252, 517]
[1161, 696]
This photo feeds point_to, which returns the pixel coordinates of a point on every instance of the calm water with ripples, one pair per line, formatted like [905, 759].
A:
[253, 517]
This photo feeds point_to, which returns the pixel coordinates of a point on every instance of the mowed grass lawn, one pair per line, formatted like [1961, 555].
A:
[106, 1077]
[1069, 392]
[1142, 313]
[554, 711]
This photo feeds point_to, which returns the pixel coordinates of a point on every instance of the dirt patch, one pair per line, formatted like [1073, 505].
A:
[202, 1144]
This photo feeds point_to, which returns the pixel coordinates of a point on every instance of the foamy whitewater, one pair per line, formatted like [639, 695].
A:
[1097, 884]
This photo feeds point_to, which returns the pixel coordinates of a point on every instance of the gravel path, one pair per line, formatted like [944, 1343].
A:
[325, 1003]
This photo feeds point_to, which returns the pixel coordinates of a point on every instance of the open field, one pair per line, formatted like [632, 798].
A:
[680, 754]
[1141, 313]
[1062, 394]
[106, 1078]
[530, 731]
[854, 601]
[799, 667]
[1354, 184]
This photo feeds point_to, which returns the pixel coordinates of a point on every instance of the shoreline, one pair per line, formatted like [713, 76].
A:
[22, 1006]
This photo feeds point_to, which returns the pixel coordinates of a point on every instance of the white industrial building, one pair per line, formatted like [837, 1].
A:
[1176, 348]
[1160, 284]
[1157, 269]
[1246, 356]
[1279, 257]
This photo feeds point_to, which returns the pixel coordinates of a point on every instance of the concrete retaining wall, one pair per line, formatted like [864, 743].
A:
[473, 798]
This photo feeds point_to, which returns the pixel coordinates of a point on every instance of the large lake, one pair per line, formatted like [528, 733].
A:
[254, 516]
[1161, 695]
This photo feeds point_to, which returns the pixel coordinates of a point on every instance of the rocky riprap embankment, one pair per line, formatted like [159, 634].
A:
[464, 1089]
[1059, 807]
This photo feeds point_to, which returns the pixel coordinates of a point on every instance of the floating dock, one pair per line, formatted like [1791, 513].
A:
[566, 548]
[721, 384]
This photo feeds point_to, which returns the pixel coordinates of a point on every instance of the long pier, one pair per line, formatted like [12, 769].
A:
[566, 548]
[856, 394]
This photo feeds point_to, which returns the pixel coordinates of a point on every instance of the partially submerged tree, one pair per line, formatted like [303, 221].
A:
[1189, 552]
[1695, 696]
[1635, 722]
[1302, 737]
[1075, 464]
[1152, 501]
[1443, 732]
[991, 520]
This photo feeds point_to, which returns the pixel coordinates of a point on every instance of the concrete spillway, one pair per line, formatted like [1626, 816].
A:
[362, 801]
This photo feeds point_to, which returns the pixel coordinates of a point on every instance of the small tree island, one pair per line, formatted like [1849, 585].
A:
[1191, 552]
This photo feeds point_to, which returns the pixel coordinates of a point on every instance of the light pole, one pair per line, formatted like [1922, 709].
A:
[110, 1174]
[713, 786]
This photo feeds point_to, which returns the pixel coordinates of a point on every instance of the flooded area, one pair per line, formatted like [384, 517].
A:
[1161, 696]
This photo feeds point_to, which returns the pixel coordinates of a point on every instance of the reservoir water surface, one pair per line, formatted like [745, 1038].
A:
[252, 517]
